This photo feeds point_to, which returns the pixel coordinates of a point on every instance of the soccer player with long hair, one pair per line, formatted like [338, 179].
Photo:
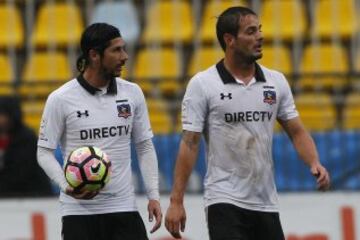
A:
[100, 109]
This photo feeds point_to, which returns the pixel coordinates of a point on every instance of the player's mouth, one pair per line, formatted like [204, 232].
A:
[258, 48]
[119, 67]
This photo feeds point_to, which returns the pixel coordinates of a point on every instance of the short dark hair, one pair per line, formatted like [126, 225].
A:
[228, 22]
[97, 36]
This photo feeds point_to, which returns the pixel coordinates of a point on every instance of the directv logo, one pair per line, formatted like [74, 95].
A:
[104, 132]
[248, 116]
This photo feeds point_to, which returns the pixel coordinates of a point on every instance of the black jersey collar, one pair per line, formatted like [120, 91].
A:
[226, 77]
[92, 90]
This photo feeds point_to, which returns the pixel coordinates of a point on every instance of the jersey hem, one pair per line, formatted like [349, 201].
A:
[242, 205]
[287, 118]
[93, 212]
[192, 129]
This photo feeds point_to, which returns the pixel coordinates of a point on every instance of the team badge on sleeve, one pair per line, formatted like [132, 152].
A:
[124, 110]
[269, 97]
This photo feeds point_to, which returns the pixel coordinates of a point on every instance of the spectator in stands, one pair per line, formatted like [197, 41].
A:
[20, 174]
[235, 103]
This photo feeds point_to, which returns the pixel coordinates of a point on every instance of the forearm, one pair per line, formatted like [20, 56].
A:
[305, 146]
[186, 159]
[51, 166]
[149, 168]
[302, 140]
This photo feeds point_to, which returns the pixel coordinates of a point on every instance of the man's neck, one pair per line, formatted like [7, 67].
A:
[95, 78]
[240, 69]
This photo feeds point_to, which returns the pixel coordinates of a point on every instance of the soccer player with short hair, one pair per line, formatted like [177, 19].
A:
[235, 104]
[100, 109]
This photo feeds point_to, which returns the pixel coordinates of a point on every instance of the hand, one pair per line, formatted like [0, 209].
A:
[82, 194]
[175, 219]
[154, 209]
[322, 176]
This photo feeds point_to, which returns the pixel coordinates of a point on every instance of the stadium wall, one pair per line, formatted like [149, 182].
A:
[307, 216]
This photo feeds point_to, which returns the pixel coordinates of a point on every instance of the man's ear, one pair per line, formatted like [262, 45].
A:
[94, 55]
[228, 39]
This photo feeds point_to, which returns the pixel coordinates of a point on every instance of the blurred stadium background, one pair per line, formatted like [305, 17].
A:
[316, 43]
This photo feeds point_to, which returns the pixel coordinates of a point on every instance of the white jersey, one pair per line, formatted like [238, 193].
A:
[237, 121]
[77, 115]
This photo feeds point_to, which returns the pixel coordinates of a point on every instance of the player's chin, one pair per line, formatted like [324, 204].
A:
[117, 73]
[254, 57]
[258, 55]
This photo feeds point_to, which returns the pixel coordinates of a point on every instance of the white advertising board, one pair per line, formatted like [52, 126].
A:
[307, 216]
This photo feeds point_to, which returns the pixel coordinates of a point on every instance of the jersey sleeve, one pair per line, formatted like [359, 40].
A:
[52, 123]
[194, 106]
[141, 125]
[287, 109]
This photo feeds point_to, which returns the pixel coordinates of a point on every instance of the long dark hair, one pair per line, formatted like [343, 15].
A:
[97, 36]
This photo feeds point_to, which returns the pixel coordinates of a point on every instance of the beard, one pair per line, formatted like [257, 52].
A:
[251, 58]
[107, 73]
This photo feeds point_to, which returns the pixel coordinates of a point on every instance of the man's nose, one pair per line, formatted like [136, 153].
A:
[124, 56]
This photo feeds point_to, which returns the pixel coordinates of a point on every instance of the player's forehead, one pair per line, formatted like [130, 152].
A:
[247, 21]
[117, 42]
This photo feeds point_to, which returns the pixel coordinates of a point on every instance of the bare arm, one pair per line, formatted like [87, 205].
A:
[185, 161]
[305, 146]
[176, 216]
